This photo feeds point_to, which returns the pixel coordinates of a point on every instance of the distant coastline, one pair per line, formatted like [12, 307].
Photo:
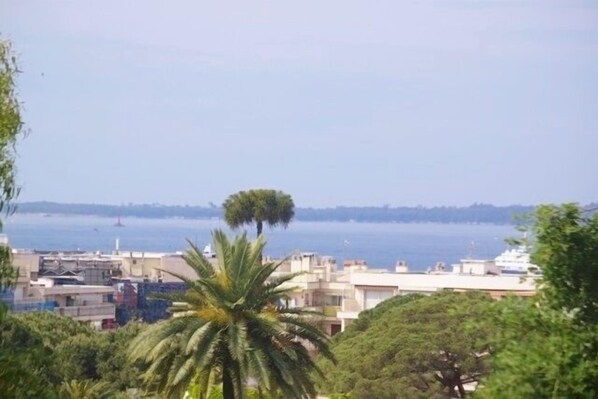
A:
[476, 213]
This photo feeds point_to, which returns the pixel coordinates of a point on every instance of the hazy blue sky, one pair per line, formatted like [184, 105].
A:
[334, 102]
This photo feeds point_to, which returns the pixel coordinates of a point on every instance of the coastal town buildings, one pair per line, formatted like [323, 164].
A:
[94, 287]
[340, 295]
[92, 304]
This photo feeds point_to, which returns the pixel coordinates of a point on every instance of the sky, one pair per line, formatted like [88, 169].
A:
[335, 103]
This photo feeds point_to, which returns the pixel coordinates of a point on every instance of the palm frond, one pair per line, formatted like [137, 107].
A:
[198, 336]
[189, 282]
[237, 340]
[198, 262]
[231, 323]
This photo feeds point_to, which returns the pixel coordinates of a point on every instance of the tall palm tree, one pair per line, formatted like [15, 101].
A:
[231, 326]
[260, 206]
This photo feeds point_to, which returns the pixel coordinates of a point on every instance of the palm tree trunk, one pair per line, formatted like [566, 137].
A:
[260, 226]
[228, 388]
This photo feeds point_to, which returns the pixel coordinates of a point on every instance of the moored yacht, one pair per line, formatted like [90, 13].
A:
[516, 261]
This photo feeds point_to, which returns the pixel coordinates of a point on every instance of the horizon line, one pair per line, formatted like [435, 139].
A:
[215, 206]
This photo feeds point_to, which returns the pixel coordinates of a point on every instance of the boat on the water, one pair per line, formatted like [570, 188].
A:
[118, 223]
[516, 261]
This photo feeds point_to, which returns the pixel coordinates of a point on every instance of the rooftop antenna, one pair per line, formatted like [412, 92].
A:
[471, 249]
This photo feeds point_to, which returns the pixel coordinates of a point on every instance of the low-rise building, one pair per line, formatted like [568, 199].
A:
[154, 266]
[338, 296]
[92, 304]
[369, 289]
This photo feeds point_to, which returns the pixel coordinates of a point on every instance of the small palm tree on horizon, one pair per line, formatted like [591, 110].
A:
[232, 326]
[259, 206]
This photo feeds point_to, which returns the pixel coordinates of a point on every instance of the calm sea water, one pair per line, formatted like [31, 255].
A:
[380, 244]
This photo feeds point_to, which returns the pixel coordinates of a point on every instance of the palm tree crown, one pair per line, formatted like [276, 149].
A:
[232, 327]
[260, 206]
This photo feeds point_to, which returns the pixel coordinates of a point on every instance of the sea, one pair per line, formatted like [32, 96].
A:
[381, 245]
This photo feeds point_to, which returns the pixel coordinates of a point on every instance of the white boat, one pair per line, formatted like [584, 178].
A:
[516, 261]
[207, 251]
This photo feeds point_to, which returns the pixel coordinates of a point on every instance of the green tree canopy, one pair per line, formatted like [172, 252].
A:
[21, 373]
[27, 368]
[411, 347]
[258, 206]
[112, 361]
[538, 352]
[567, 252]
[547, 347]
[232, 327]
[52, 328]
[11, 125]
[40, 350]
[84, 389]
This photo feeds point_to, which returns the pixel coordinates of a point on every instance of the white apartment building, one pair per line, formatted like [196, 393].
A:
[341, 295]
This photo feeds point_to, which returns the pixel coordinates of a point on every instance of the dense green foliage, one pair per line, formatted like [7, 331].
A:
[47, 356]
[28, 369]
[258, 206]
[11, 125]
[8, 274]
[548, 347]
[567, 251]
[16, 379]
[87, 389]
[52, 329]
[112, 360]
[540, 353]
[411, 347]
[232, 327]
[366, 317]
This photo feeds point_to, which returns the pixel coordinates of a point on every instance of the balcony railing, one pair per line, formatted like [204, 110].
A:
[318, 309]
[31, 306]
[330, 311]
[107, 310]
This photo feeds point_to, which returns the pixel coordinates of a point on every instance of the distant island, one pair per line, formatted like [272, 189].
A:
[476, 213]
